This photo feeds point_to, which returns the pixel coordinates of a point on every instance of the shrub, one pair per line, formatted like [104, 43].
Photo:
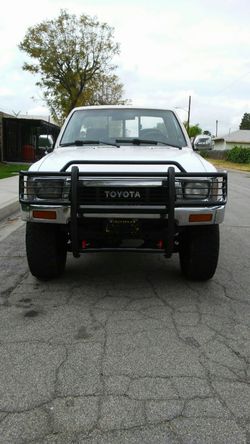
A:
[239, 155]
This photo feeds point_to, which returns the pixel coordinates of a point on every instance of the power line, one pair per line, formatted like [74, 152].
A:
[233, 82]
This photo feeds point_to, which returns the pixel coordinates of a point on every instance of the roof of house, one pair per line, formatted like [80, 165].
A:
[240, 136]
[4, 114]
[33, 121]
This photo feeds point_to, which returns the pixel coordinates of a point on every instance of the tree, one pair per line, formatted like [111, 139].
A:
[194, 130]
[104, 90]
[245, 122]
[73, 57]
[207, 133]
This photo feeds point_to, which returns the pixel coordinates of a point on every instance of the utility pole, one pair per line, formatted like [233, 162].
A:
[216, 130]
[189, 110]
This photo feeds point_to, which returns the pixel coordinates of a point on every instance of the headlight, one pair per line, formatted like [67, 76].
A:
[49, 189]
[196, 190]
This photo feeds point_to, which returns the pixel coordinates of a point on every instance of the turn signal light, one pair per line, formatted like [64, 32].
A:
[200, 217]
[43, 214]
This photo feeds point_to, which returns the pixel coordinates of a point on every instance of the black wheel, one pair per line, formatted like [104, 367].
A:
[199, 251]
[46, 248]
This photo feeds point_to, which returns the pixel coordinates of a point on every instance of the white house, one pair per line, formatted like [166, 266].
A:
[239, 138]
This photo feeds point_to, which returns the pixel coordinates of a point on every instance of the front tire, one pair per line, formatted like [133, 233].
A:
[199, 251]
[46, 248]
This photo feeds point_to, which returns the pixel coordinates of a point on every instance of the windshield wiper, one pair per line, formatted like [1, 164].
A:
[88, 142]
[170, 144]
[137, 141]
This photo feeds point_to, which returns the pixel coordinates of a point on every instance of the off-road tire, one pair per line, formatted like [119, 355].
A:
[46, 249]
[199, 251]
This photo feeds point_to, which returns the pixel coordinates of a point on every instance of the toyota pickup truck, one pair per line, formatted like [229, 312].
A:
[123, 179]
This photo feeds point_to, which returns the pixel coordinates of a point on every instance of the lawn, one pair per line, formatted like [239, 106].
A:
[229, 165]
[11, 169]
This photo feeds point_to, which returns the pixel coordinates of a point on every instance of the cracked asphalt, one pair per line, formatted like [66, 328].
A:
[122, 349]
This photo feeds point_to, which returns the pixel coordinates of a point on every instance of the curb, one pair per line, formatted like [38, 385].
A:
[9, 209]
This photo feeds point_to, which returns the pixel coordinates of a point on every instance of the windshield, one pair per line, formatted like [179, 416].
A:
[125, 125]
[203, 140]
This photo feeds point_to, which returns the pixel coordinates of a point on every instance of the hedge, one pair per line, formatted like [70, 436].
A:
[239, 155]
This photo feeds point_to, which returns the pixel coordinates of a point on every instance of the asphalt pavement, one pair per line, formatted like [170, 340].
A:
[122, 349]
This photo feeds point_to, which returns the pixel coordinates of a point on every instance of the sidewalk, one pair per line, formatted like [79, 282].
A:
[8, 196]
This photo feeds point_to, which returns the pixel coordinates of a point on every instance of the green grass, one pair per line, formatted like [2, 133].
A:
[11, 169]
[229, 165]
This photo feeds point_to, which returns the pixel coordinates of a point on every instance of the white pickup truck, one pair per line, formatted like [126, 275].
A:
[123, 179]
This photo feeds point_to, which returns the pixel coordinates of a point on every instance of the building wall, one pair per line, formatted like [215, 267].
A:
[21, 138]
[2, 115]
[230, 145]
[219, 145]
[1, 136]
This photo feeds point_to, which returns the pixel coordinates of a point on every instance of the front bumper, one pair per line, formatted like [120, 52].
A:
[179, 204]
[63, 214]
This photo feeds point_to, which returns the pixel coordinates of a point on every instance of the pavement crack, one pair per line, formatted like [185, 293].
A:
[57, 371]
[102, 378]
[216, 394]
[7, 293]
[27, 410]
[231, 298]
[5, 414]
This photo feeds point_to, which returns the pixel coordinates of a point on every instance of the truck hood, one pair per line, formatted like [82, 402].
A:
[187, 158]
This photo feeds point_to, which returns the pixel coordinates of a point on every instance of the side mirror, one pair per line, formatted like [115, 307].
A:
[49, 149]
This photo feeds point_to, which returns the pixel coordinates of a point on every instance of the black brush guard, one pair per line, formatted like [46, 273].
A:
[170, 178]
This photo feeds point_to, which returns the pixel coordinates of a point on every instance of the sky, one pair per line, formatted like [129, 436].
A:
[169, 50]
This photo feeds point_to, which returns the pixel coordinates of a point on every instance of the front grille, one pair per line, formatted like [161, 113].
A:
[122, 195]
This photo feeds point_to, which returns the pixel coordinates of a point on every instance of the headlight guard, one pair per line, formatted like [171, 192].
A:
[196, 189]
[48, 188]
